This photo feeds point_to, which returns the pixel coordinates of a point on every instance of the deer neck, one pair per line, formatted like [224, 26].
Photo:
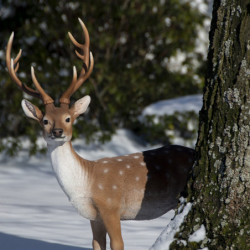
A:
[61, 152]
[55, 149]
[72, 171]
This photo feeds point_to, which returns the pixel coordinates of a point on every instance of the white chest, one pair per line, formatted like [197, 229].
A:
[72, 177]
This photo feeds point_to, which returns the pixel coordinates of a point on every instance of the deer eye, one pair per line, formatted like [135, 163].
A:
[68, 119]
[45, 122]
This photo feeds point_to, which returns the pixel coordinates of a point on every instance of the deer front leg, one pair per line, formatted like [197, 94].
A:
[99, 235]
[111, 221]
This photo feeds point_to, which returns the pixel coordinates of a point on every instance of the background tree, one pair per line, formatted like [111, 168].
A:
[133, 43]
[219, 189]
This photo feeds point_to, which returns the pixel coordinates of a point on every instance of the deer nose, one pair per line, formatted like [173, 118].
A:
[57, 132]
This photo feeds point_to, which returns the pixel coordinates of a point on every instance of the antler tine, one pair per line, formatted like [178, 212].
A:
[84, 47]
[73, 40]
[88, 63]
[87, 42]
[45, 97]
[79, 55]
[64, 98]
[18, 56]
[82, 77]
[13, 70]
[16, 60]
[74, 74]
[17, 67]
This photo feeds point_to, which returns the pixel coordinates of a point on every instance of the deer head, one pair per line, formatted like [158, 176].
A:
[56, 121]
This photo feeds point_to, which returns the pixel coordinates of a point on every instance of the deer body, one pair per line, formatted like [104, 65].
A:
[154, 182]
[138, 186]
[143, 199]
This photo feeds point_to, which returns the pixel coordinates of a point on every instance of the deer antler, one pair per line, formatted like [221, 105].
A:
[87, 59]
[13, 70]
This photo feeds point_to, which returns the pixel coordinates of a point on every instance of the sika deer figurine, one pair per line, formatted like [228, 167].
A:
[140, 186]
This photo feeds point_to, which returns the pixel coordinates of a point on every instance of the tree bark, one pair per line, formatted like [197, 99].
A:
[219, 188]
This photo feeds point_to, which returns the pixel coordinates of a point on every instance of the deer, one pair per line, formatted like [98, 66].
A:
[138, 186]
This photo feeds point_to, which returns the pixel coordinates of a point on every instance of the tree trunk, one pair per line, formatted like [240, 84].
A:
[219, 188]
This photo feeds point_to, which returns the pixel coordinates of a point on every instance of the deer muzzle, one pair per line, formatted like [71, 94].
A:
[57, 132]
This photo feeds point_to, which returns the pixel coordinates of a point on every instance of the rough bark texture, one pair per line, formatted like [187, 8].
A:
[219, 188]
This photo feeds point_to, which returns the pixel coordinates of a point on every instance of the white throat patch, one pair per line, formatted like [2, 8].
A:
[72, 178]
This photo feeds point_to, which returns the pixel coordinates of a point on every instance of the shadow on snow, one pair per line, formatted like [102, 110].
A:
[12, 242]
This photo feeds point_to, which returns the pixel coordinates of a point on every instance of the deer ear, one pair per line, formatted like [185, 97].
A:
[31, 110]
[80, 106]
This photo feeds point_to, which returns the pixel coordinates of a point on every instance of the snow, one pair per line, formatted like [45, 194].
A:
[167, 236]
[201, 5]
[198, 235]
[35, 213]
[169, 107]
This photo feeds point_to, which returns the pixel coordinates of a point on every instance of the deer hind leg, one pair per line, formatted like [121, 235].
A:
[99, 235]
[111, 221]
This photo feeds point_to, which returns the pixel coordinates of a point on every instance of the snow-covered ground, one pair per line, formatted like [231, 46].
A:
[180, 104]
[35, 214]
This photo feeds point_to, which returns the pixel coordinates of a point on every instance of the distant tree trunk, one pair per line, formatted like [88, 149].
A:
[219, 189]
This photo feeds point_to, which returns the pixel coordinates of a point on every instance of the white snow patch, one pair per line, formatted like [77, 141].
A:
[149, 56]
[169, 107]
[167, 236]
[175, 63]
[201, 5]
[30, 40]
[5, 12]
[198, 235]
